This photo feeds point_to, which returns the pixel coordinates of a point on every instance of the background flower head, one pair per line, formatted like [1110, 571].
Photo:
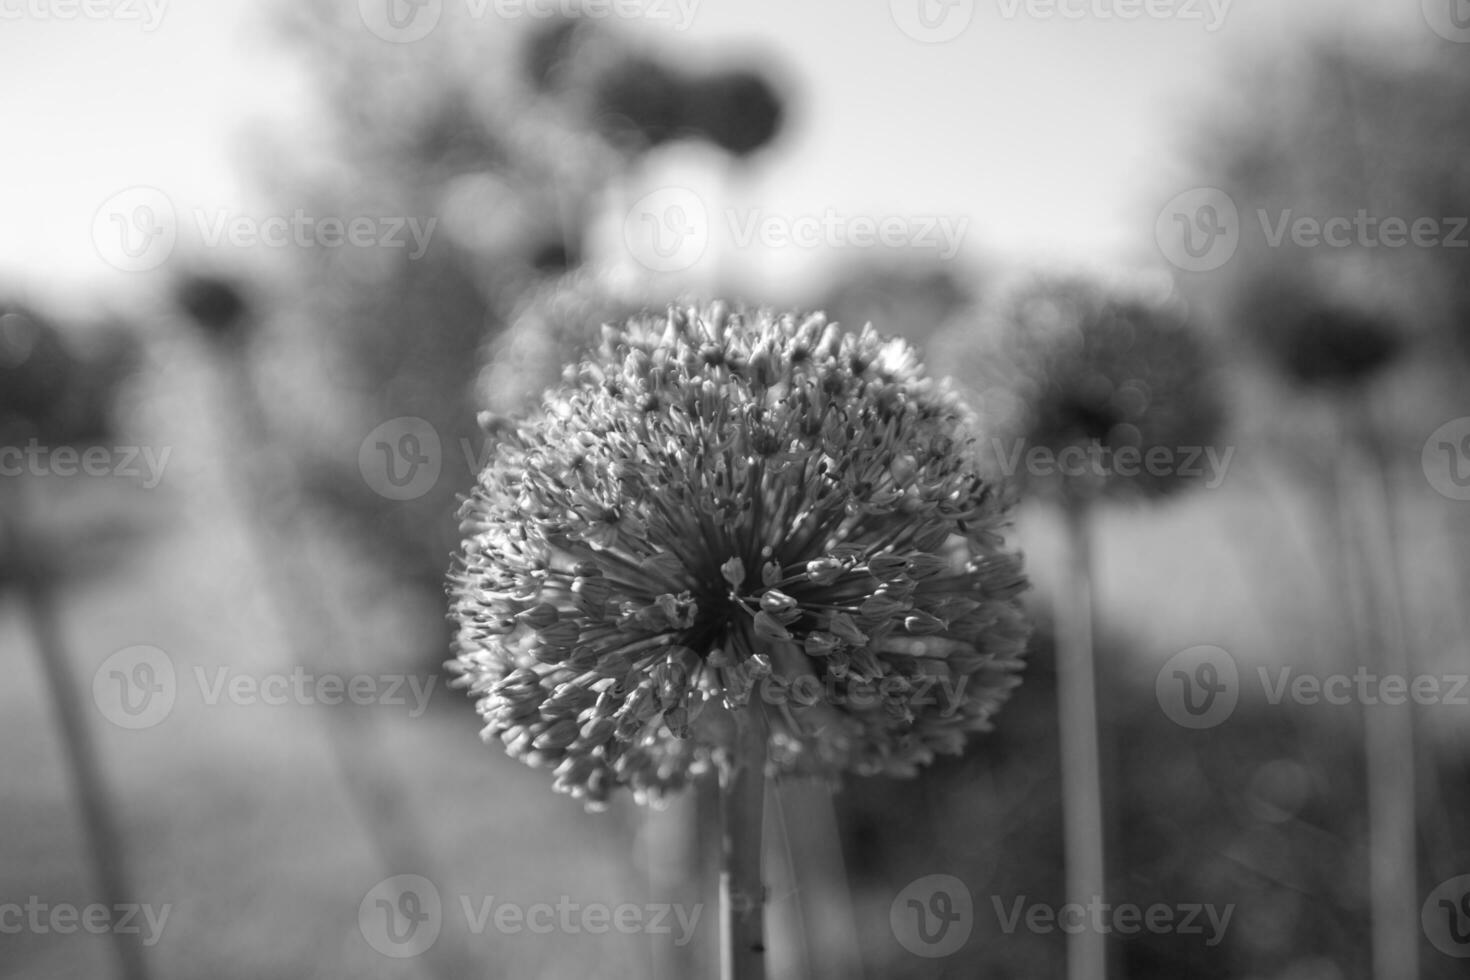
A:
[1064, 364]
[725, 511]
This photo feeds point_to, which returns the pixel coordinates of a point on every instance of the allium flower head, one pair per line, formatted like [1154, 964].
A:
[723, 512]
[1317, 340]
[1065, 365]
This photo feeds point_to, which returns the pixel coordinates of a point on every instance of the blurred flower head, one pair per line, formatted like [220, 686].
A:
[740, 110]
[53, 389]
[215, 304]
[1065, 365]
[736, 511]
[1315, 340]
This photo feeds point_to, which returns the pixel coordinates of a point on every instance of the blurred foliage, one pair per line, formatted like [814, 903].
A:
[1265, 813]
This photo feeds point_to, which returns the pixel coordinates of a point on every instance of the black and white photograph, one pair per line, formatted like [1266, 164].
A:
[735, 489]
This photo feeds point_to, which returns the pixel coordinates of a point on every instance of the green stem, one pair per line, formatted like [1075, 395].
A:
[742, 892]
[1082, 809]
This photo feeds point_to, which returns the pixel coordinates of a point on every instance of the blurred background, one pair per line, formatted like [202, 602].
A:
[261, 265]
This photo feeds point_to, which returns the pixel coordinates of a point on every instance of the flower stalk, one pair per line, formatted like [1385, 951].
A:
[1082, 805]
[1388, 730]
[742, 888]
[105, 842]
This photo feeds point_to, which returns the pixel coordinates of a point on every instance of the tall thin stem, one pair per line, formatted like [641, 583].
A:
[105, 842]
[1082, 810]
[1388, 729]
[742, 892]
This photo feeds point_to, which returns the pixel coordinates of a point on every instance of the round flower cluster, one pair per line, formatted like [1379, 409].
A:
[1065, 366]
[722, 512]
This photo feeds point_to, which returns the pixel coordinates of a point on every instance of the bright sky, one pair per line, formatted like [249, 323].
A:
[1053, 135]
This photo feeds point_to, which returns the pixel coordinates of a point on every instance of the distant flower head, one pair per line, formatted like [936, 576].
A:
[723, 512]
[738, 110]
[55, 389]
[214, 303]
[1318, 340]
[1063, 365]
